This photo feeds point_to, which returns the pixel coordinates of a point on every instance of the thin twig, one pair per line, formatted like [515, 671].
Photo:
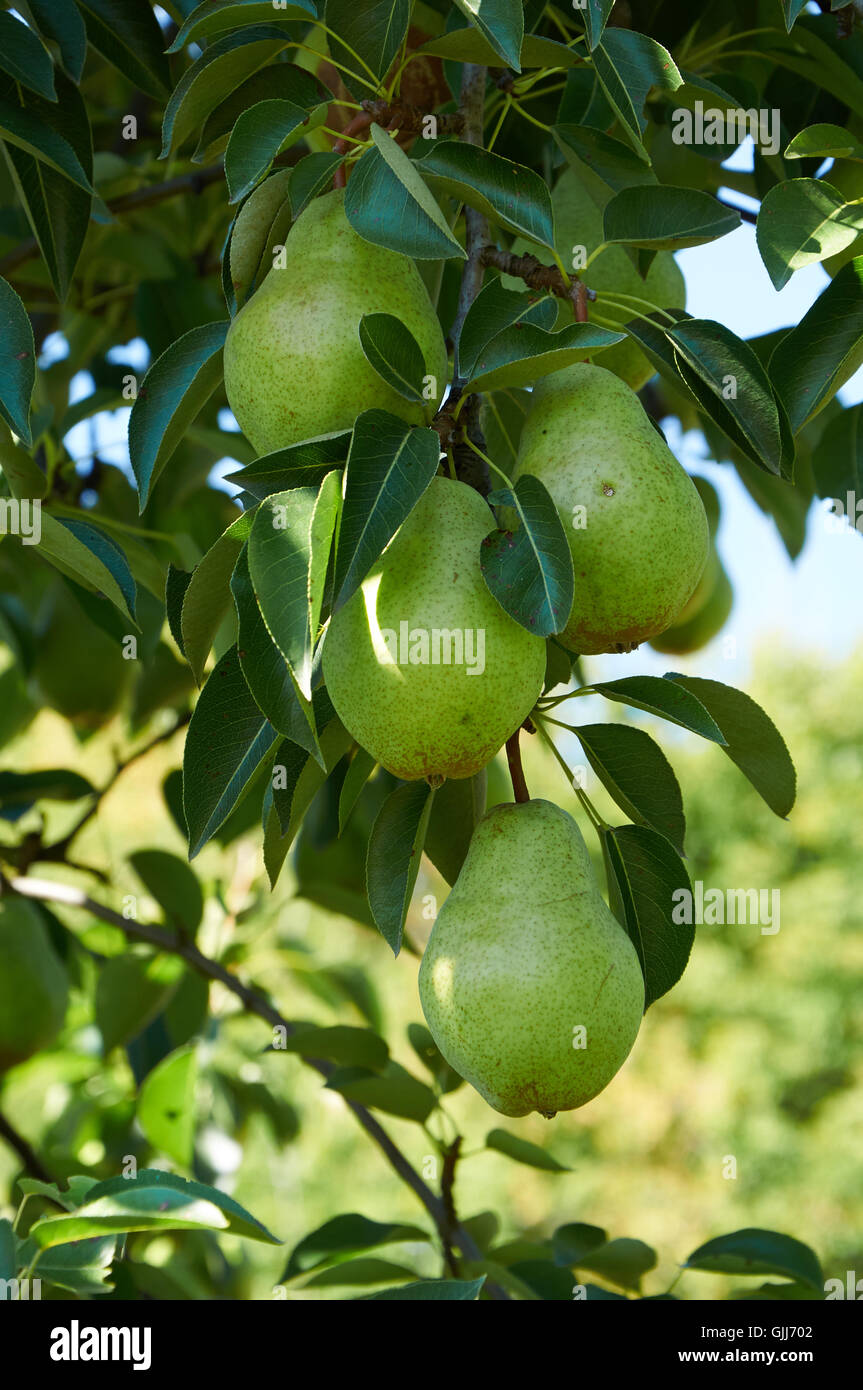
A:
[516, 771]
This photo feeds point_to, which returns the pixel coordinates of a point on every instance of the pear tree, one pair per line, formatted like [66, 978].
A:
[342, 346]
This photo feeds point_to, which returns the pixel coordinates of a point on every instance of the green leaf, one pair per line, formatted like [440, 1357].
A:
[636, 773]
[818, 356]
[394, 853]
[470, 46]
[753, 1251]
[279, 82]
[303, 779]
[267, 674]
[393, 1090]
[792, 9]
[816, 53]
[310, 177]
[615, 163]
[512, 195]
[622, 1262]
[173, 885]
[366, 1270]
[77, 558]
[111, 554]
[524, 352]
[736, 381]
[17, 363]
[390, 465]
[258, 136]
[458, 807]
[154, 1200]
[219, 16]
[837, 462]
[431, 1057]
[53, 784]
[432, 1290]
[57, 210]
[803, 221]
[344, 1235]
[173, 392]
[24, 57]
[63, 24]
[372, 30]
[627, 65]
[348, 1046]
[544, 1279]
[130, 992]
[224, 64]
[207, 595]
[595, 19]
[300, 465]
[166, 1105]
[127, 33]
[752, 740]
[662, 218]
[522, 1151]
[495, 309]
[824, 142]
[359, 771]
[644, 874]
[529, 571]
[325, 517]
[261, 224]
[394, 353]
[501, 22]
[81, 1267]
[280, 557]
[227, 741]
[663, 696]
[389, 204]
[22, 127]
[22, 473]
[572, 1242]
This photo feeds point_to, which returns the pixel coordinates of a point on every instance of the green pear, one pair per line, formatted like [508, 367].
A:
[33, 984]
[424, 667]
[531, 988]
[634, 520]
[703, 617]
[294, 365]
[578, 222]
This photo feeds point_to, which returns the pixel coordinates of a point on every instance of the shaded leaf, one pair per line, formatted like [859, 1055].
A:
[645, 873]
[394, 853]
[529, 571]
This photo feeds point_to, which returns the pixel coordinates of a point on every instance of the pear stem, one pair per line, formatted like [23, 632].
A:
[516, 771]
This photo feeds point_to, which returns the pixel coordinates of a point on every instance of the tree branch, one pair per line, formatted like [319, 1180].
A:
[255, 1003]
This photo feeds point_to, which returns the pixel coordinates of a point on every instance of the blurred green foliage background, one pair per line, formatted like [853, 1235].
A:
[754, 1057]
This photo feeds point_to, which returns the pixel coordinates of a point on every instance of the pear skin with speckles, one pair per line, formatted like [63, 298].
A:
[635, 522]
[530, 987]
[294, 365]
[424, 667]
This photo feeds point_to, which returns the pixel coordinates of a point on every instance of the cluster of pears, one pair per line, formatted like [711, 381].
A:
[33, 984]
[531, 988]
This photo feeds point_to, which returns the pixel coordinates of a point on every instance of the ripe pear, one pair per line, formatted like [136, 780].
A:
[33, 984]
[578, 222]
[531, 988]
[424, 667]
[294, 366]
[635, 522]
[703, 617]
